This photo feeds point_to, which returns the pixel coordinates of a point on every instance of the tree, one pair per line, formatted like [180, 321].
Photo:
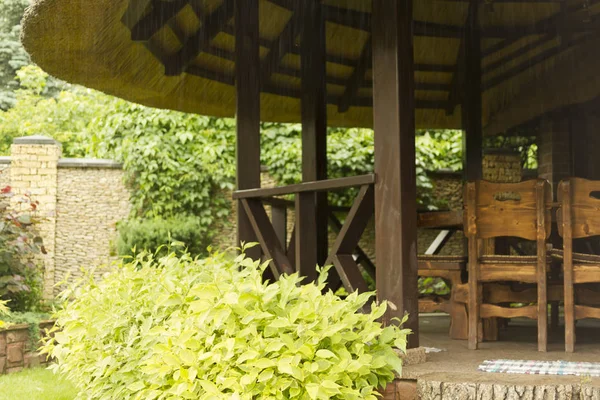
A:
[12, 54]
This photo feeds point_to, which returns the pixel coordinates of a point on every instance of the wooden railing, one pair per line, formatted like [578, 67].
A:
[345, 254]
[272, 234]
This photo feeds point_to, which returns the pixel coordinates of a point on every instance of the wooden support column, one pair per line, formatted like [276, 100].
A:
[471, 106]
[247, 75]
[395, 188]
[311, 222]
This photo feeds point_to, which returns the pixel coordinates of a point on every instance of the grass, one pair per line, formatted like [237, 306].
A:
[36, 384]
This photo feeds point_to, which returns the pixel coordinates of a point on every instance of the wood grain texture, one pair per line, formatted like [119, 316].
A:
[507, 272]
[473, 252]
[585, 209]
[314, 116]
[248, 112]
[470, 85]
[306, 250]
[582, 312]
[505, 209]
[490, 310]
[346, 243]
[541, 190]
[440, 219]
[267, 237]
[315, 186]
[509, 209]
[395, 189]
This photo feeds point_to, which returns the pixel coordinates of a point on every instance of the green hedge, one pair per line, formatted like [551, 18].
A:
[154, 235]
[181, 328]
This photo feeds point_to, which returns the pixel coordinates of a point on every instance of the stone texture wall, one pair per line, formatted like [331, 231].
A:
[501, 165]
[17, 350]
[80, 202]
[34, 171]
[91, 199]
[4, 171]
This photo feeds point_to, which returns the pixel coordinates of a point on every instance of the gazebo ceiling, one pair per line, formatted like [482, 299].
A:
[179, 54]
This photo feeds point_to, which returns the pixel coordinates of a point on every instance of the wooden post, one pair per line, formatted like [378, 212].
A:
[395, 189]
[247, 77]
[311, 208]
[471, 107]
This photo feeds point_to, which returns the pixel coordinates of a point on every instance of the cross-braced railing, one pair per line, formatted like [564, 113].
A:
[283, 254]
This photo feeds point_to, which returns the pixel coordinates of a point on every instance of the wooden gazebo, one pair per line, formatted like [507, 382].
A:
[486, 66]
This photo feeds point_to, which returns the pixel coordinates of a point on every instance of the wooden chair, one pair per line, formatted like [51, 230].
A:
[578, 217]
[450, 269]
[495, 210]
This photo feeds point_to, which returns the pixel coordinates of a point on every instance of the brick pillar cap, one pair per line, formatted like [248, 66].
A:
[36, 139]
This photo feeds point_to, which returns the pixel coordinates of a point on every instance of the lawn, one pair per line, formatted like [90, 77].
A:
[35, 384]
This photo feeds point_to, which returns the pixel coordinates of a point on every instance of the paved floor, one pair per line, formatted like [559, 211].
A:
[517, 341]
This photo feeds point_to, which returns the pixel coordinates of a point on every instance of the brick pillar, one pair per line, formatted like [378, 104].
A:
[554, 148]
[33, 170]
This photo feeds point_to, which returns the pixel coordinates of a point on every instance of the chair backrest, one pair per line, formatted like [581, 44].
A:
[579, 197]
[508, 209]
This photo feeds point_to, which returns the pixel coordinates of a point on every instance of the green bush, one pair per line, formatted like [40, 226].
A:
[20, 245]
[183, 328]
[154, 235]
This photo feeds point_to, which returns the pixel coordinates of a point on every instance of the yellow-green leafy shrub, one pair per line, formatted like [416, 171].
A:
[183, 328]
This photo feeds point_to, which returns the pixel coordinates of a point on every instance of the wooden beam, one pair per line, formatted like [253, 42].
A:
[516, 53]
[314, 135]
[211, 26]
[247, 111]
[331, 80]
[454, 97]
[355, 82]
[281, 46]
[161, 13]
[342, 60]
[316, 186]
[532, 62]
[279, 222]
[267, 237]
[395, 189]
[356, 221]
[472, 106]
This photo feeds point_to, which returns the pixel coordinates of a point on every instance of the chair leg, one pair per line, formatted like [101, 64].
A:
[542, 315]
[459, 323]
[569, 318]
[473, 310]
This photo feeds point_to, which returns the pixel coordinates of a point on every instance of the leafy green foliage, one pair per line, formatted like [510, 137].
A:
[152, 234]
[175, 163]
[179, 328]
[65, 117]
[12, 53]
[20, 274]
[13, 56]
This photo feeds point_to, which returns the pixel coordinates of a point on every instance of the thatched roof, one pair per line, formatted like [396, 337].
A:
[538, 55]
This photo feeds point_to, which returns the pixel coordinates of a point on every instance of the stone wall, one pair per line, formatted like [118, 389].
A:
[91, 199]
[80, 202]
[18, 349]
[500, 165]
